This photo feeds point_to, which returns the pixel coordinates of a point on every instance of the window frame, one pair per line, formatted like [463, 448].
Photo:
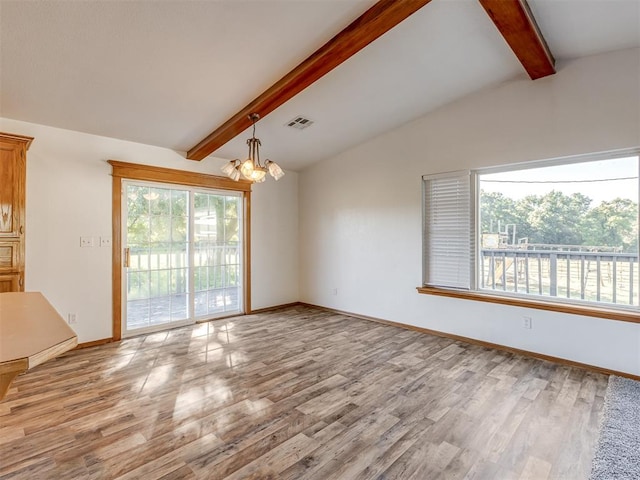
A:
[627, 313]
[192, 317]
[122, 171]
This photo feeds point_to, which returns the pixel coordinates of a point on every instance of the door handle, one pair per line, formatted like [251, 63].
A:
[127, 257]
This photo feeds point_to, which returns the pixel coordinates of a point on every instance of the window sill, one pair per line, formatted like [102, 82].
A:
[608, 313]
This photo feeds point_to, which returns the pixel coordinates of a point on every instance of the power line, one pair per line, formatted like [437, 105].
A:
[561, 181]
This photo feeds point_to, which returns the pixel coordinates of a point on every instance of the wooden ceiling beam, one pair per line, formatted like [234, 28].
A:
[519, 28]
[376, 21]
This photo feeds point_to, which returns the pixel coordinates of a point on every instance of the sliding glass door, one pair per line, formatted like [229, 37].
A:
[217, 253]
[183, 255]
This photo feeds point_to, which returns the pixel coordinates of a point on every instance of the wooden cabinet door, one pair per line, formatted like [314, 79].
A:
[13, 168]
[12, 188]
[10, 256]
[11, 282]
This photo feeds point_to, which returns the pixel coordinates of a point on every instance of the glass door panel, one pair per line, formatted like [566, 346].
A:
[217, 253]
[157, 239]
[184, 255]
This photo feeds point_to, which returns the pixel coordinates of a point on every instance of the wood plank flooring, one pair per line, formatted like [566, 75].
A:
[299, 393]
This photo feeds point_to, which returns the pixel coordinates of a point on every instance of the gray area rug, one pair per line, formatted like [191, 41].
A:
[617, 454]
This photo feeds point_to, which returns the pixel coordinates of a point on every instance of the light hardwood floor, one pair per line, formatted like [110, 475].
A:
[299, 394]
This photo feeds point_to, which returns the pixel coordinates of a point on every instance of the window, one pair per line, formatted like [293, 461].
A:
[181, 247]
[217, 253]
[559, 231]
[184, 255]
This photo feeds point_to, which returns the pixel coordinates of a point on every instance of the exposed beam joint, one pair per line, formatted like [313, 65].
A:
[519, 28]
[376, 21]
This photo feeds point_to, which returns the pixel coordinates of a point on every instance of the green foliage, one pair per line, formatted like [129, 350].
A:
[556, 218]
[156, 215]
[613, 223]
[497, 210]
[157, 235]
[559, 219]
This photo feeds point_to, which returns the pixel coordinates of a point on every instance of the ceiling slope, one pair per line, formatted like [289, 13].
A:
[513, 19]
[376, 21]
[165, 73]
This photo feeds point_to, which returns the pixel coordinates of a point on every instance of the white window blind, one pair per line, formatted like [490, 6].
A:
[447, 230]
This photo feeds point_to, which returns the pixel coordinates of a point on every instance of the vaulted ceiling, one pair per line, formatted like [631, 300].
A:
[169, 73]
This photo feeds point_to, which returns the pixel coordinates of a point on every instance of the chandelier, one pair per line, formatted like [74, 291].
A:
[251, 168]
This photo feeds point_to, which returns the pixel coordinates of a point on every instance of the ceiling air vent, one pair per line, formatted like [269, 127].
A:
[299, 122]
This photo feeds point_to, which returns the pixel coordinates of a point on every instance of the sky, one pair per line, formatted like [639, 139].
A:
[571, 178]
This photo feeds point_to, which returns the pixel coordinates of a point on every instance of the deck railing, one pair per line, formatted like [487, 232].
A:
[607, 277]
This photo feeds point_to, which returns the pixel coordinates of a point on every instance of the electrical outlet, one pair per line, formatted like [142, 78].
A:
[86, 241]
[72, 318]
[526, 322]
[334, 291]
[105, 241]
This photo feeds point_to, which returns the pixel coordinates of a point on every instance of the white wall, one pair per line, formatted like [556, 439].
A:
[274, 242]
[360, 212]
[69, 195]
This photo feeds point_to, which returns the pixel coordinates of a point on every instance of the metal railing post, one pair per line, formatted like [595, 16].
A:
[553, 275]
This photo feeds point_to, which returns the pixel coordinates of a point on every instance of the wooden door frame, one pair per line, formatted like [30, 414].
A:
[132, 171]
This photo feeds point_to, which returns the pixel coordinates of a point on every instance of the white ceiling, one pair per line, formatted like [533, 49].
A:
[167, 73]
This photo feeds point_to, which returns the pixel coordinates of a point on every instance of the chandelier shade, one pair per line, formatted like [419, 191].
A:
[252, 168]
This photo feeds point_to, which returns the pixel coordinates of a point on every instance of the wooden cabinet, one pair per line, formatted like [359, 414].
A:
[11, 282]
[13, 168]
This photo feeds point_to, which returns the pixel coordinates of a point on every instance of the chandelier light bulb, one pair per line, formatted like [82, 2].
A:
[229, 167]
[259, 174]
[247, 168]
[274, 170]
[235, 175]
